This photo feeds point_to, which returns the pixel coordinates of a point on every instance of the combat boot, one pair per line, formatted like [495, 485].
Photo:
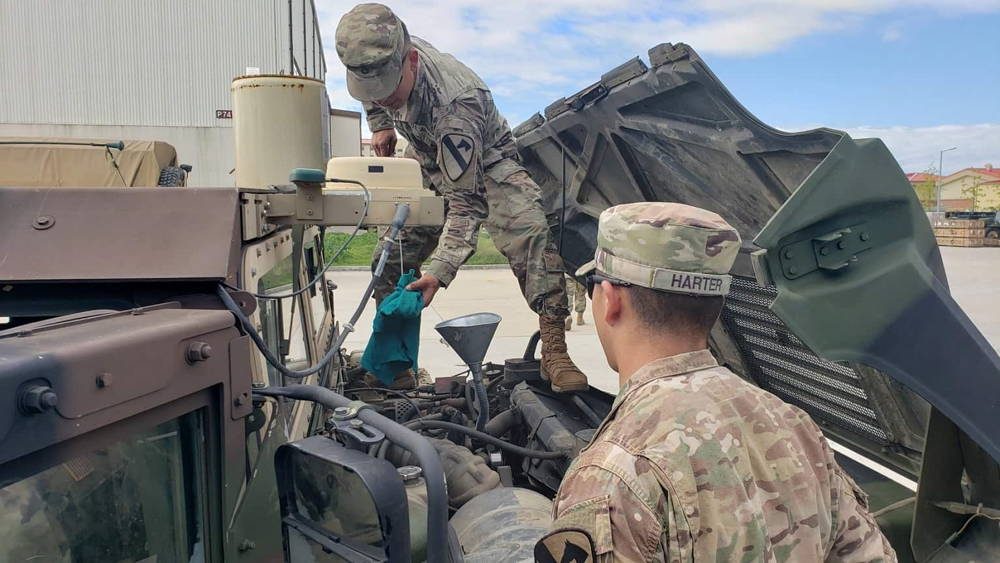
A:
[557, 367]
[579, 318]
[569, 324]
[405, 380]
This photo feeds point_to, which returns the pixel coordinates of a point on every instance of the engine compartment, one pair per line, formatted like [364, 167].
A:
[499, 481]
[539, 431]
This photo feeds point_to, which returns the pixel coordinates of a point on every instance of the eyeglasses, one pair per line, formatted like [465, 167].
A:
[595, 279]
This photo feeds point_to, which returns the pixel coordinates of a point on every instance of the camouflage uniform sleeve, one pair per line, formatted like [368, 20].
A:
[857, 536]
[459, 137]
[377, 117]
[619, 519]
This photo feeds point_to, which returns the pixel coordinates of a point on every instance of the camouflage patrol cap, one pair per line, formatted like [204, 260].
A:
[665, 246]
[371, 42]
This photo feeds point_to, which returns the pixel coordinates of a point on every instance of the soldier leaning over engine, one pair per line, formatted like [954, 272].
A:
[468, 156]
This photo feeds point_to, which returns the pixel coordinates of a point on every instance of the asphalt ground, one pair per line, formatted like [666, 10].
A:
[973, 275]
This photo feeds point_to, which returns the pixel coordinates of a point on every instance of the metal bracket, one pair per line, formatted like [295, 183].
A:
[309, 201]
[831, 252]
[352, 431]
[357, 435]
[343, 208]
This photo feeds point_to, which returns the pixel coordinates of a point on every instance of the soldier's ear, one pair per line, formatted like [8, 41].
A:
[613, 297]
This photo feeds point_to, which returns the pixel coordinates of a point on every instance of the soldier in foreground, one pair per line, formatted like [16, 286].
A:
[692, 462]
[467, 154]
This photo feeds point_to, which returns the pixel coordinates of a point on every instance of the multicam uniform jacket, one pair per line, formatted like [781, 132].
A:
[695, 464]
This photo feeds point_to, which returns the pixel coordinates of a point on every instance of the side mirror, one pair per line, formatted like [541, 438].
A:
[339, 504]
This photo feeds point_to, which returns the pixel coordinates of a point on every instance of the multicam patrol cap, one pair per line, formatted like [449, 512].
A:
[371, 42]
[665, 246]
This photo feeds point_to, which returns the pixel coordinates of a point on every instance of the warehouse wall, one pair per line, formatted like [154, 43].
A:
[345, 133]
[149, 69]
[154, 62]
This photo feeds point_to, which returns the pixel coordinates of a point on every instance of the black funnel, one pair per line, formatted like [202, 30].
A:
[470, 335]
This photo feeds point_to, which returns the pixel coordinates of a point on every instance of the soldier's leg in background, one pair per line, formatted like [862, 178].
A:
[570, 297]
[579, 301]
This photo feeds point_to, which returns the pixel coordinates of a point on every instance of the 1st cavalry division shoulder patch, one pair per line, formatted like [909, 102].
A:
[456, 153]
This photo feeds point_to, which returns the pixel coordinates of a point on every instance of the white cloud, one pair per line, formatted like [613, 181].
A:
[916, 148]
[549, 48]
[892, 33]
[541, 50]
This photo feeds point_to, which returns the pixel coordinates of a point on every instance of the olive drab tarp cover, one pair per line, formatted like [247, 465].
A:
[25, 161]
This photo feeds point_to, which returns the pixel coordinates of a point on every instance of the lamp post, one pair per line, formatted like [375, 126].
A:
[940, 175]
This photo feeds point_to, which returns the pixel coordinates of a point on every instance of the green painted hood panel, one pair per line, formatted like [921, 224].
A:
[859, 278]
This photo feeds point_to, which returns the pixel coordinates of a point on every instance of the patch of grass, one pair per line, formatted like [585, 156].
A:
[486, 251]
[359, 253]
[280, 275]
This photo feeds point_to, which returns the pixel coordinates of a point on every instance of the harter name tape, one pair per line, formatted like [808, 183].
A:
[676, 281]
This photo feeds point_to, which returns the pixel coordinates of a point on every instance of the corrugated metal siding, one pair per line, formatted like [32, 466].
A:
[149, 62]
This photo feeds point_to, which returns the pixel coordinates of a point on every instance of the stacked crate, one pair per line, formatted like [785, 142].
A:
[960, 232]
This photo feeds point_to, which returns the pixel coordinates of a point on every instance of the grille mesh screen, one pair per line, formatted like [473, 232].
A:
[781, 364]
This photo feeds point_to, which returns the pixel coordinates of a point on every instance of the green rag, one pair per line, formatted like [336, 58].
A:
[395, 339]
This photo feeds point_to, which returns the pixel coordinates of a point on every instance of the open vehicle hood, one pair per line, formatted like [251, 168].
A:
[667, 133]
[840, 303]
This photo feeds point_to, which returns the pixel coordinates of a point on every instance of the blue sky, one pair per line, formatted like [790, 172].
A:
[920, 74]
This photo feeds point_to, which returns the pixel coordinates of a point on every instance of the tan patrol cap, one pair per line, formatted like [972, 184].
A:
[371, 42]
[665, 246]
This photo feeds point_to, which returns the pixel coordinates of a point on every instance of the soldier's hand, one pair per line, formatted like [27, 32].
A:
[384, 142]
[427, 285]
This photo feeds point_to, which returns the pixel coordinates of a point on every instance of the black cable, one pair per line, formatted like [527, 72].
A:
[562, 213]
[469, 402]
[484, 402]
[402, 212]
[329, 263]
[248, 329]
[118, 145]
[482, 436]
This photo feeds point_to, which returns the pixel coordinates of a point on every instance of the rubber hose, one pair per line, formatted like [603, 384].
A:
[484, 402]
[469, 402]
[502, 423]
[484, 437]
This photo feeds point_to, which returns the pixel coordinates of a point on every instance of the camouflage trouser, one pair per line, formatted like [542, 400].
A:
[520, 230]
[578, 292]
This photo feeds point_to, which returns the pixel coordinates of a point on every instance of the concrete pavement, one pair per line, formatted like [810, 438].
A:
[973, 273]
[974, 279]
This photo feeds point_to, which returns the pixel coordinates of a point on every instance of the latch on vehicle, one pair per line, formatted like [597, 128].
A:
[831, 252]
